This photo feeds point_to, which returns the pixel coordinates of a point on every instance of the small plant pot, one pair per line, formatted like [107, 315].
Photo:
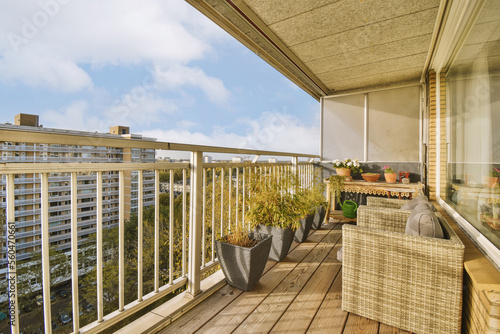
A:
[243, 266]
[493, 181]
[302, 232]
[282, 240]
[390, 177]
[319, 216]
[370, 177]
[343, 171]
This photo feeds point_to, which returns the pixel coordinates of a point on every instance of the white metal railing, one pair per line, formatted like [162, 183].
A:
[217, 193]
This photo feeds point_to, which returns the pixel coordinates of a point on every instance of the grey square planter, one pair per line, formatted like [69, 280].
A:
[319, 216]
[243, 266]
[282, 240]
[302, 232]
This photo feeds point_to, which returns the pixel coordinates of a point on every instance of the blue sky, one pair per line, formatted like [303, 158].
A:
[158, 66]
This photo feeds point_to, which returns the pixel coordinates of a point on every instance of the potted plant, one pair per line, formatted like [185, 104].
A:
[274, 209]
[494, 177]
[314, 201]
[242, 257]
[390, 174]
[370, 177]
[347, 166]
[336, 187]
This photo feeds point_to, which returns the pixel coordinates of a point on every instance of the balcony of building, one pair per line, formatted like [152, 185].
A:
[413, 84]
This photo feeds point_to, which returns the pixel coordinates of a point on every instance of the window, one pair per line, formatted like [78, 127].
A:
[472, 123]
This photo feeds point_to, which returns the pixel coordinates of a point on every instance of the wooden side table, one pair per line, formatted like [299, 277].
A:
[400, 190]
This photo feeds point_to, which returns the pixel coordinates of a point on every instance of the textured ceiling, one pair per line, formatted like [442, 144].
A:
[328, 46]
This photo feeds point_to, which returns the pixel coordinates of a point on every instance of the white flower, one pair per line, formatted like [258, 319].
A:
[349, 164]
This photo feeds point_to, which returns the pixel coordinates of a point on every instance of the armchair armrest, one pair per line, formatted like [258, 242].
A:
[382, 218]
[385, 202]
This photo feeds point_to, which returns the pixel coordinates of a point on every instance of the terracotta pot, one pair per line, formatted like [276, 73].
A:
[343, 171]
[370, 177]
[493, 181]
[390, 177]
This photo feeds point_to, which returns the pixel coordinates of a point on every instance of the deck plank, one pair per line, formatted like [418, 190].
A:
[301, 294]
[299, 315]
[236, 312]
[358, 325]
[330, 318]
[263, 318]
[202, 313]
[386, 329]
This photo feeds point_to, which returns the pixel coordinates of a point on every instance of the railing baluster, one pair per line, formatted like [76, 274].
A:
[44, 196]
[12, 255]
[157, 231]
[237, 196]
[230, 195]
[244, 194]
[213, 214]
[121, 241]
[204, 217]
[171, 229]
[74, 251]
[99, 263]
[184, 233]
[222, 202]
[195, 226]
[140, 232]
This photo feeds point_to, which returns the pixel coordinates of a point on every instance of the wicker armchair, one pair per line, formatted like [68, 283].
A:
[385, 202]
[406, 281]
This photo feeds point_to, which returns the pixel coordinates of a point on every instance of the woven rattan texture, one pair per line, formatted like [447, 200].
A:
[385, 202]
[409, 282]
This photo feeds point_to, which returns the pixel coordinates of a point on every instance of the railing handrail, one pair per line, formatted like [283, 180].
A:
[20, 134]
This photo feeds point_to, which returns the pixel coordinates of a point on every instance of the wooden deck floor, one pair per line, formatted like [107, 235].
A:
[301, 294]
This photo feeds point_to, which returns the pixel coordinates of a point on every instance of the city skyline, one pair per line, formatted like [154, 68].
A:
[161, 68]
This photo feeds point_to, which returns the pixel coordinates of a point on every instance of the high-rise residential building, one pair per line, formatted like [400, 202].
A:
[27, 186]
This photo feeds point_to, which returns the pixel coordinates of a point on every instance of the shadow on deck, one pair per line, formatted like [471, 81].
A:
[301, 294]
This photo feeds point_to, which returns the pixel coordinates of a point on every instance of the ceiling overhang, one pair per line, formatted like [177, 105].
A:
[334, 46]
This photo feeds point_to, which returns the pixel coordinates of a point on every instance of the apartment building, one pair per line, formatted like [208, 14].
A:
[27, 186]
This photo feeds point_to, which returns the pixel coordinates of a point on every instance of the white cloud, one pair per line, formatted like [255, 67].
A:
[53, 73]
[177, 76]
[271, 132]
[139, 108]
[47, 41]
[75, 116]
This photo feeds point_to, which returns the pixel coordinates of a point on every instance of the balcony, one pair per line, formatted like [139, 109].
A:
[394, 84]
[303, 293]
[215, 204]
